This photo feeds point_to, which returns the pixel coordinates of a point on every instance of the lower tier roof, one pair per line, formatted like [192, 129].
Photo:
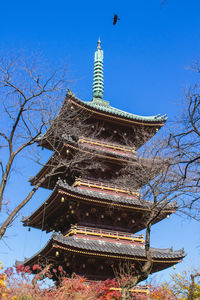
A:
[117, 248]
[59, 247]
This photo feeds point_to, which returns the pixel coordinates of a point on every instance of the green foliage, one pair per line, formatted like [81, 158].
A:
[181, 284]
[26, 297]
[178, 288]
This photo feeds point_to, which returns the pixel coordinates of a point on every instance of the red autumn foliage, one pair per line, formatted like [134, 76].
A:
[20, 286]
[36, 267]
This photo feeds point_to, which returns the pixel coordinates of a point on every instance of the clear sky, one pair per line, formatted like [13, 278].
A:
[147, 57]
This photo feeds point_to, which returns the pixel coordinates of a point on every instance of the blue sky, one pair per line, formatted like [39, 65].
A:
[147, 59]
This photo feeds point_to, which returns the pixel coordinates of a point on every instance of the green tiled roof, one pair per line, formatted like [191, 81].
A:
[99, 104]
[104, 106]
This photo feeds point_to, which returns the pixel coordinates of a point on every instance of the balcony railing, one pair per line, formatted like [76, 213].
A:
[117, 235]
[105, 144]
[137, 290]
[104, 186]
[143, 289]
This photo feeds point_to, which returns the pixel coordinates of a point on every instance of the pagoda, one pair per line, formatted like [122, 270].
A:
[95, 220]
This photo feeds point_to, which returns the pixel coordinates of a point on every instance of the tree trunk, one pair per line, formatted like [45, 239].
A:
[192, 286]
[10, 218]
[5, 179]
[147, 267]
[125, 293]
[40, 275]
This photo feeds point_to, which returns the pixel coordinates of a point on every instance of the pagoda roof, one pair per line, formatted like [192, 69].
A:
[105, 154]
[101, 110]
[117, 247]
[99, 247]
[103, 106]
[133, 203]
[100, 153]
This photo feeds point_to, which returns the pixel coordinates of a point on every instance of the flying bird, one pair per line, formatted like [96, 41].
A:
[115, 19]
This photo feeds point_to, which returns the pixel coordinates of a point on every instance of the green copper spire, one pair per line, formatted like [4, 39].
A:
[98, 81]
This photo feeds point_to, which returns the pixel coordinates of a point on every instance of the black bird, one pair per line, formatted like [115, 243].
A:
[115, 19]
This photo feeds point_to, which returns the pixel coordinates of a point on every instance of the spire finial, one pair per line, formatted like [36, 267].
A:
[99, 44]
[98, 80]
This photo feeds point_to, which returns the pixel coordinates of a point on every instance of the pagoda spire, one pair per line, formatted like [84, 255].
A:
[98, 79]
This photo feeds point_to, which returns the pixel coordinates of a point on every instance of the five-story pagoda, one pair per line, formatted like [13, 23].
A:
[93, 218]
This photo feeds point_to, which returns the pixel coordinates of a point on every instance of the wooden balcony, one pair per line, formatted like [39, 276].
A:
[137, 290]
[107, 146]
[102, 233]
[141, 289]
[104, 186]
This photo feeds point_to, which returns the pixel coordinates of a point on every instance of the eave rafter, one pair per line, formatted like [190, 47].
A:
[63, 195]
[101, 112]
[66, 151]
[61, 247]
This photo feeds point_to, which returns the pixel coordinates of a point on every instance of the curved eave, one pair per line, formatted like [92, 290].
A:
[99, 153]
[107, 113]
[44, 170]
[62, 189]
[117, 248]
[118, 115]
[163, 258]
[98, 198]
[104, 155]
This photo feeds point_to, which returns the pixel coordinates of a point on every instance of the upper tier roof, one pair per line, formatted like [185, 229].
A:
[74, 108]
[115, 111]
[104, 106]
